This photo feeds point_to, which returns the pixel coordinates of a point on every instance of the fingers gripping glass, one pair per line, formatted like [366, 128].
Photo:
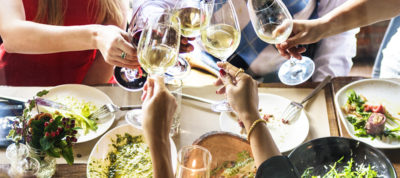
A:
[273, 24]
[220, 34]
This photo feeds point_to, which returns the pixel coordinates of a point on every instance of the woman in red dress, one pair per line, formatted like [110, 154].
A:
[52, 42]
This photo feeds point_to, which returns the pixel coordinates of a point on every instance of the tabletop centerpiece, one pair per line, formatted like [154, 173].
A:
[47, 136]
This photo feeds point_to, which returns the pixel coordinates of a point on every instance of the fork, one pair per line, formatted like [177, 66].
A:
[294, 108]
[110, 108]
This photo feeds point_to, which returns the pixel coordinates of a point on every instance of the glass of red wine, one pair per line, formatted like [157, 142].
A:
[134, 79]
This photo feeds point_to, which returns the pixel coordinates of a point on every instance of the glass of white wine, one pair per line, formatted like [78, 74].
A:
[159, 44]
[220, 34]
[273, 24]
[158, 50]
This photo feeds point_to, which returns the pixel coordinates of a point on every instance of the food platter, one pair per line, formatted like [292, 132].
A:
[286, 136]
[87, 94]
[377, 91]
[223, 146]
[101, 149]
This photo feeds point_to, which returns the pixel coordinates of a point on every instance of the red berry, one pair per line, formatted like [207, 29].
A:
[53, 134]
[47, 134]
[51, 120]
[46, 124]
[57, 132]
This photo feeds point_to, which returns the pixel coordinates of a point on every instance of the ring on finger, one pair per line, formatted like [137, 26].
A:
[238, 72]
[123, 55]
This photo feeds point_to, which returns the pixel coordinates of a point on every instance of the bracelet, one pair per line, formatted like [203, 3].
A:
[254, 125]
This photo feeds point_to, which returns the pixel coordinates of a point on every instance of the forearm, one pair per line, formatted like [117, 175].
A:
[357, 13]
[33, 38]
[160, 152]
[262, 145]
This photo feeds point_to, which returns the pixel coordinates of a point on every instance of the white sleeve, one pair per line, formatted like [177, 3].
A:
[334, 54]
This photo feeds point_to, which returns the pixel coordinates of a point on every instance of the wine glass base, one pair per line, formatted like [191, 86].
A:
[221, 106]
[181, 68]
[134, 118]
[297, 73]
[130, 79]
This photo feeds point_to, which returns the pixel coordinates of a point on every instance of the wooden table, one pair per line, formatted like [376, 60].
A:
[335, 128]
[338, 83]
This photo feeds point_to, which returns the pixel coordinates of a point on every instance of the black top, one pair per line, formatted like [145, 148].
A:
[277, 166]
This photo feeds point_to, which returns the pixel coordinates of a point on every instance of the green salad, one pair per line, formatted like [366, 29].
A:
[350, 171]
[80, 111]
[370, 120]
[243, 166]
[129, 157]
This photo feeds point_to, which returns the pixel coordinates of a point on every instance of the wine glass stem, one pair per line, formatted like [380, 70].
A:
[292, 61]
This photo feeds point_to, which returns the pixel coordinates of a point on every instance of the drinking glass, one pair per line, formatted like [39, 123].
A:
[157, 50]
[220, 34]
[193, 161]
[273, 24]
[22, 165]
[134, 79]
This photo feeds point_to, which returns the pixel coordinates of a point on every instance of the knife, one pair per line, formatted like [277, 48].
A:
[40, 101]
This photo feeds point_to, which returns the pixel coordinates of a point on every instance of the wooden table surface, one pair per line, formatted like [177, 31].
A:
[336, 128]
[392, 154]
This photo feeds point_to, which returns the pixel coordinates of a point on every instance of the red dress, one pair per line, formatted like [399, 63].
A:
[49, 69]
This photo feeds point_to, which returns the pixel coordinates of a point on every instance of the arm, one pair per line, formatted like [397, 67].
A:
[349, 15]
[158, 109]
[42, 38]
[242, 95]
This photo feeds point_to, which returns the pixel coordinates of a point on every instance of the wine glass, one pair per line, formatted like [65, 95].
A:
[134, 79]
[188, 12]
[158, 49]
[273, 24]
[220, 34]
[193, 161]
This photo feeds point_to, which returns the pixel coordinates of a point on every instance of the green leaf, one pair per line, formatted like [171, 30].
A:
[54, 152]
[45, 144]
[68, 154]
[42, 93]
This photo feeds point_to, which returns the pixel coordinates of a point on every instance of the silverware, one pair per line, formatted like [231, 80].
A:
[294, 108]
[196, 98]
[110, 108]
[40, 101]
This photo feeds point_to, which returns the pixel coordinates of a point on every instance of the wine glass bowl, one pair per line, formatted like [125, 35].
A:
[188, 12]
[271, 23]
[159, 44]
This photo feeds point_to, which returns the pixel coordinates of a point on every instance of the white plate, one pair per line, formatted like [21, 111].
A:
[377, 91]
[286, 138]
[87, 94]
[102, 147]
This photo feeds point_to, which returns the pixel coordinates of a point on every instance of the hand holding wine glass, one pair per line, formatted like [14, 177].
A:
[273, 24]
[220, 34]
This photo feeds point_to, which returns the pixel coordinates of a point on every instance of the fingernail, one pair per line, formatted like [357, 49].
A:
[222, 72]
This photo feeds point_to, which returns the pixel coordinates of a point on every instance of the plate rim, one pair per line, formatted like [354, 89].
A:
[342, 91]
[91, 88]
[172, 145]
[274, 95]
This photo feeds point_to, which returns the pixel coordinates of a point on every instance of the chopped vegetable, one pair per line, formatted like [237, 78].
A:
[349, 171]
[129, 157]
[243, 166]
[369, 120]
[80, 112]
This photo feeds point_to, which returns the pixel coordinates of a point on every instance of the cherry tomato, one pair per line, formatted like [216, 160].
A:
[378, 109]
[367, 108]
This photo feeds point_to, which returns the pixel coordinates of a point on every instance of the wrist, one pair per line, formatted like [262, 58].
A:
[248, 118]
[95, 34]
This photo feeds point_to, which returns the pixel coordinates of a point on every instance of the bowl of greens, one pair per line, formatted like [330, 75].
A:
[340, 157]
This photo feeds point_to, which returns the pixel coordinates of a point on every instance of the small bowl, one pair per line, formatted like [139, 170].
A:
[223, 146]
[321, 152]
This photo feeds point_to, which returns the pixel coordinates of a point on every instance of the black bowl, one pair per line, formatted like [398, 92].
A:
[322, 152]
